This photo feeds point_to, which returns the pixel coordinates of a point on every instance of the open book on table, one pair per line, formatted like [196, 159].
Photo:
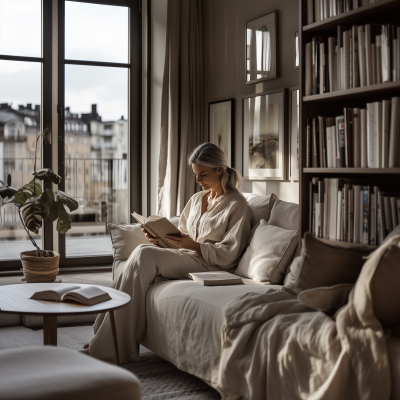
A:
[215, 278]
[89, 295]
[158, 227]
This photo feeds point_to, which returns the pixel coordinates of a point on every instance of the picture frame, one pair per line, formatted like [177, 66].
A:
[296, 51]
[264, 136]
[294, 150]
[221, 126]
[261, 48]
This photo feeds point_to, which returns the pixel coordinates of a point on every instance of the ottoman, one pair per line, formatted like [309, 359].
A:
[49, 373]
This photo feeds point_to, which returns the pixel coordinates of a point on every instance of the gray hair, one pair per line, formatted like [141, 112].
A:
[212, 156]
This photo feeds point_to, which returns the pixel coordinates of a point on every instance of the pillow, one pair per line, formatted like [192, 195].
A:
[327, 299]
[323, 264]
[395, 232]
[285, 215]
[269, 253]
[260, 205]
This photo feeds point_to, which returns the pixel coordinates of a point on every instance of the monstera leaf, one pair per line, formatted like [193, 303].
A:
[49, 204]
[47, 174]
[62, 197]
[7, 190]
[64, 220]
[32, 214]
[31, 189]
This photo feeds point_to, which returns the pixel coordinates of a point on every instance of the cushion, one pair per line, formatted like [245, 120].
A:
[260, 205]
[324, 264]
[327, 299]
[395, 232]
[285, 215]
[48, 373]
[269, 253]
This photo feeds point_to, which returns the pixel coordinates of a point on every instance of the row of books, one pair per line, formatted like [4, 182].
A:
[358, 56]
[318, 10]
[360, 138]
[352, 213]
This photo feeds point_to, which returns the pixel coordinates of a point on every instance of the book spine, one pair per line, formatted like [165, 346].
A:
[374, 111]
[317, 12]
[308, 149]
[361, 56]
[356, 75]
[322, 142]
[314, 68]
[329, 159]
[364, 138]
[356, 218]
[310, 12]
[340, 141]
[368, 54]
[382, 219]
[398, 53]
[348, 133]
[315, 143]
[394, 133]
[385, 47]
[361, 217]
[321, 67]
[340, 77]
[378, 51]
[393, 211]
[325, 229]
[331, 57]
[388, 216]
[398, 210]
[309, 70]
[394, 54]
[385, 132]
[373, 218]
[366, 215]
[339, 225]
[356, 138]
[345, 212]
[351, 216]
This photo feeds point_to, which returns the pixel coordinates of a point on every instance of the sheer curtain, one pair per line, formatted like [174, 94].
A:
[182, 105]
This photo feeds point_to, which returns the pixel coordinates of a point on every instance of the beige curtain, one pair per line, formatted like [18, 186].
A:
[182, 106]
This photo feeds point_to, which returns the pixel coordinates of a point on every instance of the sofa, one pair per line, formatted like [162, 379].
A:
[184, 318]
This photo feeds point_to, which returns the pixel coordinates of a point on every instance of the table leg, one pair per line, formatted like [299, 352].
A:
[50, 330]
[114, 333]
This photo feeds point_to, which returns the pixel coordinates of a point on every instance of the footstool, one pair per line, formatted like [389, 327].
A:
[49, 373]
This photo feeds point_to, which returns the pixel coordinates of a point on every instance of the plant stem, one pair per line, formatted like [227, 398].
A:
[30, 237]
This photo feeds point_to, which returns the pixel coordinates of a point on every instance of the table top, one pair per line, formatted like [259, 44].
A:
[16, 299]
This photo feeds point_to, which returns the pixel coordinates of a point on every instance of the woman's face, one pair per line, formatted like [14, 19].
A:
[207, 177]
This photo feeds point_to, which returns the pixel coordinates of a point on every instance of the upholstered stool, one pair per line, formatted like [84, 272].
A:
[49, 373]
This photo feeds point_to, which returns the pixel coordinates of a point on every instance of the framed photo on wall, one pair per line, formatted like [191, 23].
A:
[294, 161]
[221, 126]
[264, 136]
[262, 48]
[296, 50]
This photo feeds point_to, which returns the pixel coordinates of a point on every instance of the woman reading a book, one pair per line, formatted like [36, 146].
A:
[214, 226]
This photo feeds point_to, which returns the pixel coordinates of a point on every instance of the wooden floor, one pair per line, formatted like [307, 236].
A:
[91, 278]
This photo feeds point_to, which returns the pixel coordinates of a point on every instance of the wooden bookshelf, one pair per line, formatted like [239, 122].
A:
[332, 104]
[347, 244]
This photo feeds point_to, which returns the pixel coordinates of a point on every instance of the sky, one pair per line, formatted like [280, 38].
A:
[92, 32]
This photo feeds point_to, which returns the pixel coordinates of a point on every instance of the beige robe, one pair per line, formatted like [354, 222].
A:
[222, 233]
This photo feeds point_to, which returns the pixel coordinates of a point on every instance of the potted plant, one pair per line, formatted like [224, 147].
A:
[33, 206]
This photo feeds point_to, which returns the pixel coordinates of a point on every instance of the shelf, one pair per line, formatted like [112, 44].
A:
[351, 171]
[377, 12]
[347, 244]
[381, 89]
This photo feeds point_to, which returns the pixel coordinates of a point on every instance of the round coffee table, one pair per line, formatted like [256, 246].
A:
[15, 299]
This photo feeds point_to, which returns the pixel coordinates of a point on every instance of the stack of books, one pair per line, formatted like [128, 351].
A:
[360, 138]
[351, 213]
[358, 56]
[318, 10]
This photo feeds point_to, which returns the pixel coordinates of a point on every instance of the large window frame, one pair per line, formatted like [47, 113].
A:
[54, 147]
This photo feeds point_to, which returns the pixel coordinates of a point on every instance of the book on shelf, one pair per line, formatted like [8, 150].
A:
[158, 227]
[309, 70]
[340, 142]
[308, 142]
[88, 296]
[394, 139]
[215, 278]
[315, 143]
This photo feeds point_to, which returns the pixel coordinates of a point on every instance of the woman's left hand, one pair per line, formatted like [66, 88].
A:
[184, 242]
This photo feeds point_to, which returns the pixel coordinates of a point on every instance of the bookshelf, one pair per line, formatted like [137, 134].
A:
[331, 104]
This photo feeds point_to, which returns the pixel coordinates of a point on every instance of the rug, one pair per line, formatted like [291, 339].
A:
[159, 378]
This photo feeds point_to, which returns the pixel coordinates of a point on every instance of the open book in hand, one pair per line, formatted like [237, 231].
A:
[215, 278]
[89, 295]
[158, 227]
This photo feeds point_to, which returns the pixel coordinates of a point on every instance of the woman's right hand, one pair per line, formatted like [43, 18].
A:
[150, 238]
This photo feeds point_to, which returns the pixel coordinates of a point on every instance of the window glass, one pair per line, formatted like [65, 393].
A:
[95, 32]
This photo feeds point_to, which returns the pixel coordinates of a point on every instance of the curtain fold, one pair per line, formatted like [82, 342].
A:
[182, 105]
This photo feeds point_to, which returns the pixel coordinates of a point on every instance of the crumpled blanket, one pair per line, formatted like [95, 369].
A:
[274, 347]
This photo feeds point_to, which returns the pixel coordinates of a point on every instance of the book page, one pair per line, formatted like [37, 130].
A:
[88, 292]
[56, 292]
[153, 218]
[215, 276]
[139, 218]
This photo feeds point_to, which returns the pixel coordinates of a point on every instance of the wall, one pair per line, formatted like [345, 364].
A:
[225, 22]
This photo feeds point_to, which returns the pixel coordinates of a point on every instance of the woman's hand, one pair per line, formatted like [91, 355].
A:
[184, 242]
[151, 239]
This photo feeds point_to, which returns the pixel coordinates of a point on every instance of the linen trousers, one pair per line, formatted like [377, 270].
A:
[137, 275]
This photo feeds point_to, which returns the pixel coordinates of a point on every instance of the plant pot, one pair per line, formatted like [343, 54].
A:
[40, 269]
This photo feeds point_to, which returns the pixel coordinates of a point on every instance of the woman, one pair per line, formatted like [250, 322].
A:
[215, 225]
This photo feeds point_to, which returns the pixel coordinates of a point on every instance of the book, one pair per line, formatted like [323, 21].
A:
[385, 49]
[373, 213]
[322, 142]
[385, 133]
[388, 214]
[374, 135]
[382, 219]
[331, 63]
[366, 215]
[354, 57]
[364, 138]
[315, 65]
[329, 151]
[378, 59]
[346, 64]
[310, 12]
[350, 210]
[158, 227]
[345, 212]
[315, 144]
[308, 138]
[340, 142]
[89, 295]
[394, 53]
[348, 136]
[317, 11]
[356, 138]
[215, 278]
[313, 190]
[368, 55]
[320, 209]
[325, 230]
[339, 216]
[394, 140]
[340, 77]
[398, 210]
[356, 219]
[393, 211]
[309, 70]
[362, 56]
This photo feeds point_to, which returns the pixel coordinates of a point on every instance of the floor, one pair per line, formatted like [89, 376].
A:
[91, 278]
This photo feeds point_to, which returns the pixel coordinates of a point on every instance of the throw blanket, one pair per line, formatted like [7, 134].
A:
[274, 347]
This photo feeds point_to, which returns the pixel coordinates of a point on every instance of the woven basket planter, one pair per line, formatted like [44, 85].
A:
[39, 269]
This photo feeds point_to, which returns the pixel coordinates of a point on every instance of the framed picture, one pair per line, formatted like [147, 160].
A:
[221, 126]
[264, 132]
[296, 50]
[294, 161]
[262, 48]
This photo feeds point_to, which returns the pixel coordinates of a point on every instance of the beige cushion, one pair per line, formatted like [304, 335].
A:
[285, 215]
[327, 299]
[48, 373]
[269, 253]
[261, 206]
[323, 264]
